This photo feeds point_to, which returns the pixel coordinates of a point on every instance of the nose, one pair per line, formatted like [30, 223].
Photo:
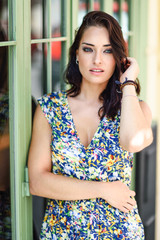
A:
[97, 58]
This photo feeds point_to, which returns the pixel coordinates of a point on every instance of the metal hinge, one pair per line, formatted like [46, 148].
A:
[25, 184]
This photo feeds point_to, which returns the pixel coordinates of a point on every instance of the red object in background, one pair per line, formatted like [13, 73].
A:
[82, 6]
[115, 6]
[96, 6]
[56, 50]
[56, 47]
[125, 6]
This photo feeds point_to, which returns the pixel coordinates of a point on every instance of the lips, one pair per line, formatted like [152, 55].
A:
[96, 70]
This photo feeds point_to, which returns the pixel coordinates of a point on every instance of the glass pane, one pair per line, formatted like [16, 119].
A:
[5, 201]
[116, 12]
[97, 5]
[56, 65]
[4, 19]
[38, 70]
[56, 18]
[83, 8]
[125, 20]
[39, 26]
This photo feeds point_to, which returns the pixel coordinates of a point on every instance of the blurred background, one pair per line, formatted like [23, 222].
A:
[35, 36]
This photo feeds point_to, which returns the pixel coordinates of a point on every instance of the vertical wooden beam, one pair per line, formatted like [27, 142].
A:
[107, 6]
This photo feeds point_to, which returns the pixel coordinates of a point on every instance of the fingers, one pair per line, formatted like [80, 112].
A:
[124, 209]
[130, 68]
[125, 201]
[129, 60]
[128, 206]
[132, 193]
[132, 202]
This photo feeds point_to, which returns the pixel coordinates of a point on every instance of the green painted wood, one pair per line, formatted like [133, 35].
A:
[47, 40]
[49, 57]
[74, 20]
[137, 48]
[16, 58]
[26, 207]
[138, 43]
[143, 46]
[134, 52]
[9, 43]
[66, 19]
[107, 6]
[11, 78]
[91, 5]
[20, 116]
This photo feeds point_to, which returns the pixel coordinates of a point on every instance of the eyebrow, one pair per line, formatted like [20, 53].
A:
[89, 44]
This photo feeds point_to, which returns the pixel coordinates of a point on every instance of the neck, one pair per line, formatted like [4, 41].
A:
[91, 92]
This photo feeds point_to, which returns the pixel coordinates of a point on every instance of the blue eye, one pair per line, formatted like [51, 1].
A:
[108, 51]
[87, 49]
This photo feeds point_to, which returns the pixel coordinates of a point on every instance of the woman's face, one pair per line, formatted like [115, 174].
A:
[96, 61]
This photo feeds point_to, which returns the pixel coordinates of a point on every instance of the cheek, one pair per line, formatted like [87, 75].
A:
[83, 63]
[83, 58]
[82, 67]
[111, 63]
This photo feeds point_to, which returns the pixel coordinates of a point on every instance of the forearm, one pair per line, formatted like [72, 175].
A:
[59, 187]
[135, 131]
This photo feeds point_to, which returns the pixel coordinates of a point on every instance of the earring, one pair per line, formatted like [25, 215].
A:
[77, 62]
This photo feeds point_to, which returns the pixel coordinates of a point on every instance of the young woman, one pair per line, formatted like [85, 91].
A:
[83, 140]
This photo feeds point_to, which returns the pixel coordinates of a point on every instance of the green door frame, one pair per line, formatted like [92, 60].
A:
[20, 117]
[138, 43]
[20, 105]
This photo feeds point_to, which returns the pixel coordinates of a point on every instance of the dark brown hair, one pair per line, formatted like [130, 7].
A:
[111, 98]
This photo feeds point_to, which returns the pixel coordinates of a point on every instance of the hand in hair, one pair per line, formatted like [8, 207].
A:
[132, 69]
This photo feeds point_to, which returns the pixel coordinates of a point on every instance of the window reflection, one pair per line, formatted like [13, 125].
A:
[125, 20]
[116, 12]
[121, 14]
[4, 18]
[39, 26]
[56, 18]
[5, 203]
[96, 5]
[56, 65]
[83, 8]
[38, 69]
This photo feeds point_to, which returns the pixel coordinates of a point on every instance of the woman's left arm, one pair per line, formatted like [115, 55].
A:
[136, 117]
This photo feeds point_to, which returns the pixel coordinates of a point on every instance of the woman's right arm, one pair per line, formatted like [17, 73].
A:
[47, 184]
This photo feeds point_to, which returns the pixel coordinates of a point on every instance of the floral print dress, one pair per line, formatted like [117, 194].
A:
[103, 160]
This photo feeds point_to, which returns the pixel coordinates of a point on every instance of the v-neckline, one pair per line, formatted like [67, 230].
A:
[74, 126]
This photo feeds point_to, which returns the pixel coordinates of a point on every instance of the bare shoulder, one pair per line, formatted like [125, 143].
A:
[39, 153]
[41, 133]
[146, 111]
[40, 122]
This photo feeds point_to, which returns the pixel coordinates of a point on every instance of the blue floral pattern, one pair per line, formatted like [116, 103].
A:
[103, 160]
